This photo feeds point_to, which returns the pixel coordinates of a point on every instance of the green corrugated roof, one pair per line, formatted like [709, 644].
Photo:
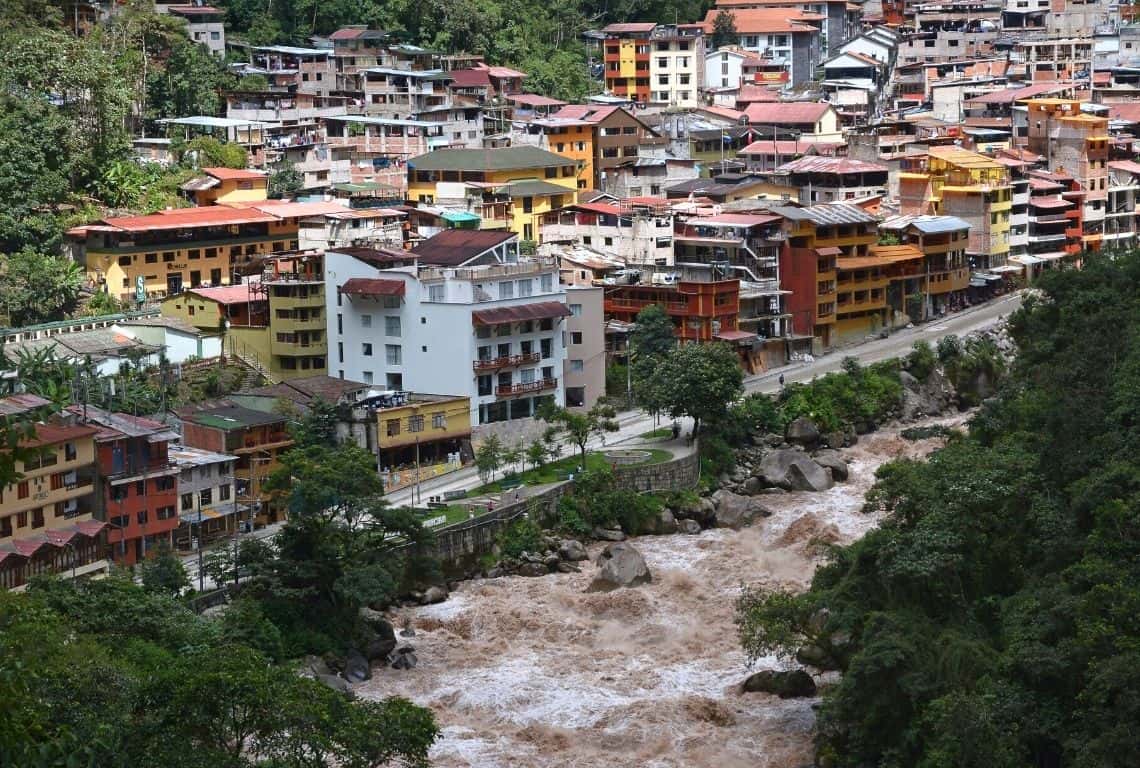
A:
[363, 186]
[498, 159]
[535, 188]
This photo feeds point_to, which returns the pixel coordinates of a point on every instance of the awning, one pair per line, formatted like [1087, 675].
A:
[1025, 260]
[459, 216]
[1007, 268]
[367, 286]
[829, 251]
[1049, 202]
[738, 337]
[538, 311]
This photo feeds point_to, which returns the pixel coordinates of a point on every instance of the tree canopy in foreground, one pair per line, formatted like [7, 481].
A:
[991, 619]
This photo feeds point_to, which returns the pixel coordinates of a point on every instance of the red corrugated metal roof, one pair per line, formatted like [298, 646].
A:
[29, 546]
[16, 404]
[750, 94]
[368, 286]
[816, 164]
[737, 219]
[534, 100]
[591, 113]
[784, 113]
[233, 174]
[205, 216]
[347, 33]
[470, 78]
[603, 208]
[1050, 202]
[734, 335]
[536, 311]
[226, 294]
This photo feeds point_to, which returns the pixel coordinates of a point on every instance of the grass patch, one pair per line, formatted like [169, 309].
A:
[454, 513]
[653, 434]
[556, 471]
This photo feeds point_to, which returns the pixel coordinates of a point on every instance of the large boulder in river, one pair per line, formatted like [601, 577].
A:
[619, 565]
[736, 511]
[337, 684]
[834, 461]
[434, 595]
[802, 431]
[664, 524]
[533, 569]
[572, 550]
[793, 471]
[356, 668]
[787, 685]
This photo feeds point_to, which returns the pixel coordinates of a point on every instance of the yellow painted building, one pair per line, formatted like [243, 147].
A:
[150, 257]
[47, 520]
[276, 324]
[952, 181]
[570, 138]
[228, 186]
[508, 187]
[421, 436]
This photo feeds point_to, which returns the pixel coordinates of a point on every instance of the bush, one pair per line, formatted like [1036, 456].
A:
[523, 535]
[921, 361]
[570, 519]
[718, 454]
[617, 380]
[838, 400]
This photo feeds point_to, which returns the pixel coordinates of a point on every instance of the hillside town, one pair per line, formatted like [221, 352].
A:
[451, 264]
[786, 178]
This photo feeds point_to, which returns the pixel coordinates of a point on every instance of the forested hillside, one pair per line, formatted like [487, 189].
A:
[991, 621]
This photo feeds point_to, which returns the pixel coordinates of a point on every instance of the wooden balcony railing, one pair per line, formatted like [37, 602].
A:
[523, 388]
[506, 361]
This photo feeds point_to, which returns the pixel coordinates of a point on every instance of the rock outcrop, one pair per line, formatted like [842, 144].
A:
[802, 431]
[791, 684]
[793, 471]
[736, 511]
[832, 460]
[620, 565]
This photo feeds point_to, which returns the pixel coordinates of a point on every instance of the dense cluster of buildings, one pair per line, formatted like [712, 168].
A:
[463, 251]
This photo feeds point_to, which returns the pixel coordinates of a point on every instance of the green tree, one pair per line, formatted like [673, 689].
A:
[164, 573]
[285, 182]
[489, 457]
[536, 453]
[191, 81]
[653, 336]
[724, 30]
[701, 381]
[580, 427]
[37, 287]
[207, 152]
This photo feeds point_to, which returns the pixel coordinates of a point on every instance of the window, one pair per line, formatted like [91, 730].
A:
[206, 497]
[435, 293]
[394, 381]
[391, 325]
[367, 376]
[609, 241]
[366, 349]
[142, 517]
[37, 518]
[546, 283]
[527, 376]
[575, 337]
[164, 484]
[547, 347]
[438, 420]
[506, 289]
[365, 321]
[393, 427]
[223, 493]
[416, 423]
[526, 288]
[575, 397]
[340, 351]
[528, 204]
[393, 354]
[485, 386]
[662, 62]
[164, 513]
[577, 366]
[663, 79]
[586, 240]
[140, 488]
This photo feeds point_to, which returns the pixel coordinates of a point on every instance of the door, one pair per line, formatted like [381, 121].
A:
[195, 278]
[174, 283]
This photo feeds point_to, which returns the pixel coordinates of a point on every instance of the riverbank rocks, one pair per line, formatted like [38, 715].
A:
[620, 565]
[572, 550]
[664, 524]
[533, 569]
[793, 471]
[608, 534]
[833, 461]
[433, 595]
[356, 667]
[802, 431]
[404, 658]
[736, 511]
[790, 684]
[337, 684]
[701, 511]
[690, 527]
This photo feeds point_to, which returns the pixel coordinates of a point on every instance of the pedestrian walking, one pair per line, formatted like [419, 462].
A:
[781, 381]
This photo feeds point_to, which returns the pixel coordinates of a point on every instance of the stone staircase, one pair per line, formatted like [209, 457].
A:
[256, 374]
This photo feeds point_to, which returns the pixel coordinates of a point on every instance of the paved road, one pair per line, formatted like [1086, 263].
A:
[632, 424]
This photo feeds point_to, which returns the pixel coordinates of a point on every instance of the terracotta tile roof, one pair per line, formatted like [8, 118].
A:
[591, 113]
[725, 112]
[13, 405]
[750, 94]
[534, 100]
[817, 164]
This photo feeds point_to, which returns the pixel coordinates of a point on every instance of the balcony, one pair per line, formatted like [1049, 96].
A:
[526, 387]
[506, 361]
[131, 471]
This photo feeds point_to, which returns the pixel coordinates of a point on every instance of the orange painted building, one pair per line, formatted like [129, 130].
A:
[699, 311]
[626, 60]
[138, 485]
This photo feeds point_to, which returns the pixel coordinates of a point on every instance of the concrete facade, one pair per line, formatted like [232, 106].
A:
[585, 347]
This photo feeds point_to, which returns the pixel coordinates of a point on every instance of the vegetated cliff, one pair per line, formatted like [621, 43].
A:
[990, 619]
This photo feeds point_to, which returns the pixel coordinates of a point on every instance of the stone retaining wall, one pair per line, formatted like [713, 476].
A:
[459, 546]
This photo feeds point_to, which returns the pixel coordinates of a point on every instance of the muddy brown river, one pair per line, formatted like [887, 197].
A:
[528, 672]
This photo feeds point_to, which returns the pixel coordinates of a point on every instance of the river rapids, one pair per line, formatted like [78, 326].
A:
[526, 672]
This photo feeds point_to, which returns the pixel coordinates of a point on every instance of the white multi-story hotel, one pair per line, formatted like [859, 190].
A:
[493, 332]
